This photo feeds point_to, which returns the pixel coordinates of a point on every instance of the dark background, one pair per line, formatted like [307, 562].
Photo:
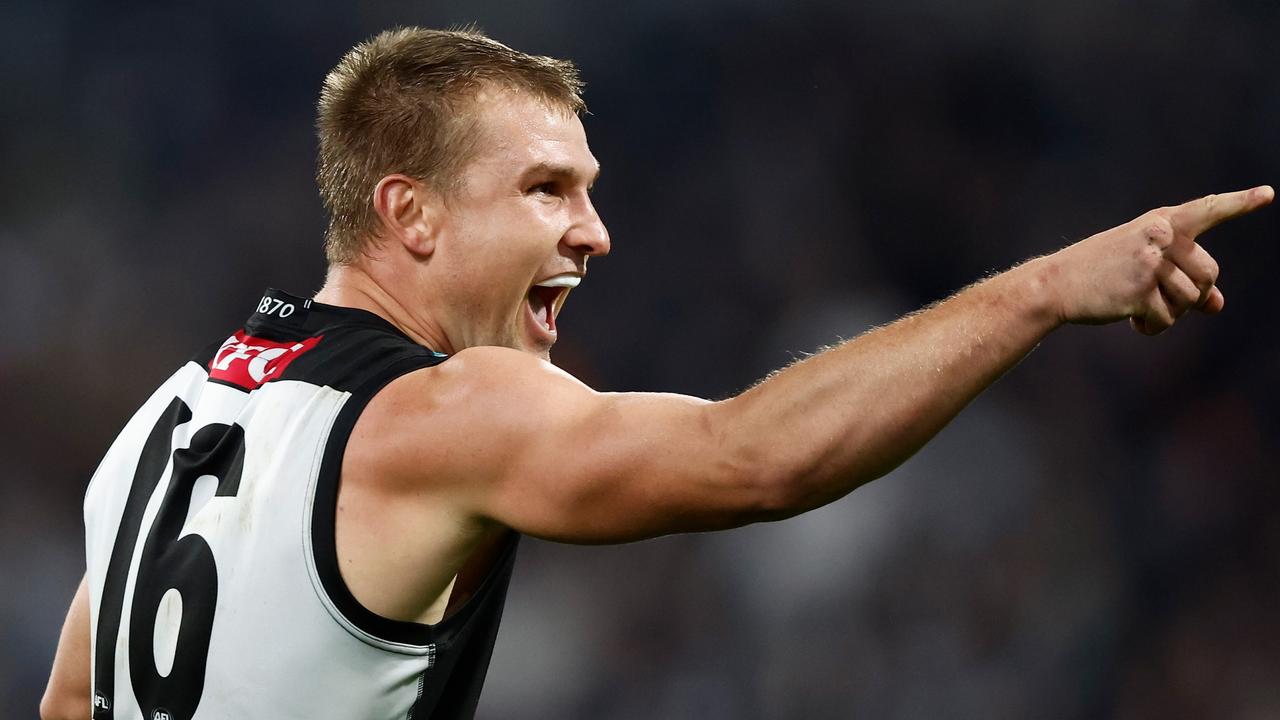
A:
[1097, 536]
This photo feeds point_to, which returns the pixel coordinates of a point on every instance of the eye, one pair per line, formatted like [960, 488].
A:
[546, 188]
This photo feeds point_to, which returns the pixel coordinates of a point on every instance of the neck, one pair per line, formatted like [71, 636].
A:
[351, 286]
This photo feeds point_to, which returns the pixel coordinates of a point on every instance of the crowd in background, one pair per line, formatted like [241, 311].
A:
[1097, 536]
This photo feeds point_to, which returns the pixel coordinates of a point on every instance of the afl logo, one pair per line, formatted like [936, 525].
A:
[161, 714]
[248, 361]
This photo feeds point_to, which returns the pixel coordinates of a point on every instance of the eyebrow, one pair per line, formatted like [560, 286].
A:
[561, 172]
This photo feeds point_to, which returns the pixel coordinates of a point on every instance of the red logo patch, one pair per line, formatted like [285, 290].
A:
[248, 361]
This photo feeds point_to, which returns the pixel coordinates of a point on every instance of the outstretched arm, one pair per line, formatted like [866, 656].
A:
[890, 391]
[504, 437]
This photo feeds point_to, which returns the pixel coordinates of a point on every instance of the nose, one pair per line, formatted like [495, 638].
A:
[588, 236]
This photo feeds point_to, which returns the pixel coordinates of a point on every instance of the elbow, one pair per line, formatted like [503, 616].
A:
[790, 490]
[785, 494]
[777, 498]
[766, 481]
[784, 484]
[773, 490]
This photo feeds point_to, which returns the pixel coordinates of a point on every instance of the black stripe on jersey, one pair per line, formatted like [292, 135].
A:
[324, 546]
[149, 473]
[462, 643]
[324, 516]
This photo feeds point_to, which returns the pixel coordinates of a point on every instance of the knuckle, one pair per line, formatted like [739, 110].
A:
[1150, 257]
[1158, 230]
[1204, 274]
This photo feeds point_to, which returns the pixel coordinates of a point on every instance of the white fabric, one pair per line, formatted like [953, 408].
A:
[278, 648]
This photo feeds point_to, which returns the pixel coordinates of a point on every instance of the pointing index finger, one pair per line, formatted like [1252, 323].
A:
[1201, 214]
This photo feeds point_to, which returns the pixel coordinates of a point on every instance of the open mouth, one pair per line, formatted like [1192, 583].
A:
[546, 297]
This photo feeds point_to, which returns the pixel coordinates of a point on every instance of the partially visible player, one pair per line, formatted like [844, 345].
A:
[317, 516]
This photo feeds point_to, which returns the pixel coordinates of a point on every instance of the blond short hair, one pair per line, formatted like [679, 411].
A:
[402, 103]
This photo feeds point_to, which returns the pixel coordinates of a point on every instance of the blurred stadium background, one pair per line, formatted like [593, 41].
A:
[1098, 536]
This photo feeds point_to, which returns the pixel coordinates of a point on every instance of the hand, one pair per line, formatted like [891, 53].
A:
[1151, 269]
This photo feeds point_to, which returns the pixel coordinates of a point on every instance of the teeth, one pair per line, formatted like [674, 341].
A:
[564, 281]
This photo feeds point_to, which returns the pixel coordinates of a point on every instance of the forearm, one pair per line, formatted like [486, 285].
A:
[822, 427]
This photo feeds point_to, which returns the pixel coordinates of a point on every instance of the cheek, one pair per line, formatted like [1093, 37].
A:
[504, 249]
[524, 251]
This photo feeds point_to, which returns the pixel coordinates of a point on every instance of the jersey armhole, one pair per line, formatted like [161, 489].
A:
[400, 636]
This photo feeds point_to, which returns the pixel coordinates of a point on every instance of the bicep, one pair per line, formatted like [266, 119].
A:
[621, 467]
[545, 455]
[67, 695]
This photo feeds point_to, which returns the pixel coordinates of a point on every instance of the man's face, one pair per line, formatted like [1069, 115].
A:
[520, 228]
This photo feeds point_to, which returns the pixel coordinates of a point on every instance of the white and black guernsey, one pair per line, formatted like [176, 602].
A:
[213, 576]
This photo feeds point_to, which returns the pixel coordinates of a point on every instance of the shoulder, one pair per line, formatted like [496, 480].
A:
[481, 378]
[463, 417]
[489, 364]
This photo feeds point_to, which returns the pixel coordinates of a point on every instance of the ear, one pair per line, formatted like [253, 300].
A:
[409, 213]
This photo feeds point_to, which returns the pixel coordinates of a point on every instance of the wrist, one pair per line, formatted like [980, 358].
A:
[1034, 286]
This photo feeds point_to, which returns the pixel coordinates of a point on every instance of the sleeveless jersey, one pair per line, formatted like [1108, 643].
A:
[212, 571]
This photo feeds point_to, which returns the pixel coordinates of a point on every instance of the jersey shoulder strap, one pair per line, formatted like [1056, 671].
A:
[293, 338]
